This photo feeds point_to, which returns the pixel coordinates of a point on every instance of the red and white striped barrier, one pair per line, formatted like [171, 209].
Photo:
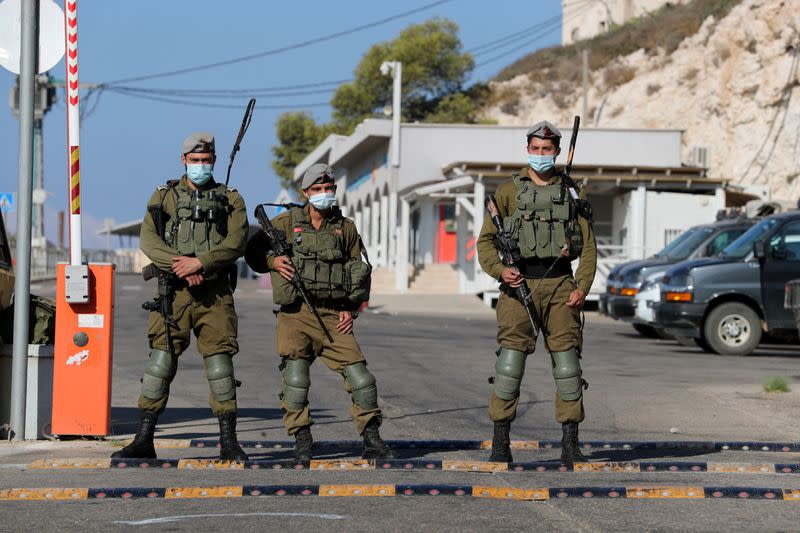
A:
[73, 130]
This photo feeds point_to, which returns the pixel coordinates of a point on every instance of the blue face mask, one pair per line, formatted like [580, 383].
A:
[199, 173]
[323, 201]
[541, 163]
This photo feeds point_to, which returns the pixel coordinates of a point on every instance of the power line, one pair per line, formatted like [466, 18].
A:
[274, 51]
[231, 94]
[211, 104]
[244, 92]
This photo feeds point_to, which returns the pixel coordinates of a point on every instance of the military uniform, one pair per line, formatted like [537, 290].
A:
[207, 222]
[329, 264]
[545, 223]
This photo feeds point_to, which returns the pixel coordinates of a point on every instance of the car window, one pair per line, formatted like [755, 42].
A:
[687, 246]
[664, 252]
[721, 241]
[744, 244]
[5, 252]
[785, 245]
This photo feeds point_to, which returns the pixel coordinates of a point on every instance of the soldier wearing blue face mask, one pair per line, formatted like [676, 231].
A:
[537, 209]
[203, 231]
[327, 251]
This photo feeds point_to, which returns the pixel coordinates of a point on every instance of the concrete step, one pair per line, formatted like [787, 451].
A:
[435, 279]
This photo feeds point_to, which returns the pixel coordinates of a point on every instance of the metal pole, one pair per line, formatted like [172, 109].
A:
[586, 83]
[39, 137]
[19, 368]
[396, 112]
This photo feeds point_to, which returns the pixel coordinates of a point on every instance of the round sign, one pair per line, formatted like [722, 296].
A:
[51, 35]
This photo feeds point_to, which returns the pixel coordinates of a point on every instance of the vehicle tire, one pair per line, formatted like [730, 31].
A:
[646, 331]
[732, 329]
[703, 344]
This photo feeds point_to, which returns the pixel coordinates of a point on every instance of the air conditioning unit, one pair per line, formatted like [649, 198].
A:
[699, 157]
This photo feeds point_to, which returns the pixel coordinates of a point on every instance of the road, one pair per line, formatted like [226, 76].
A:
[432, 366]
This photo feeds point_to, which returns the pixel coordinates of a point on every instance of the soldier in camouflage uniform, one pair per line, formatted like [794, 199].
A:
[205, 233]
[327, 251]
[552, 230]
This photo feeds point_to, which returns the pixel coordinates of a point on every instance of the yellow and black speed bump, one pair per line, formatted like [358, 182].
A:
[634, 492]
[422, 464]
[445, 445]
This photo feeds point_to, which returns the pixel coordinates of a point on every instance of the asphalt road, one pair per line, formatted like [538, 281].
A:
[432, 372]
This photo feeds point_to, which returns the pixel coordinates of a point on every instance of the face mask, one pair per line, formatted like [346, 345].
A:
[199, 173]
[323, 201]
[541, 163]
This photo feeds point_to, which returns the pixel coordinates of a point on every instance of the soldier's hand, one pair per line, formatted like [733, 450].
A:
[184, 266]
[576, 299]
[345, 324]
[512, 276]
[195, 279]
[283, 266]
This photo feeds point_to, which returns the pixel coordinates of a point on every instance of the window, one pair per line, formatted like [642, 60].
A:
[743, 245]
[786, 244]
[721, 241]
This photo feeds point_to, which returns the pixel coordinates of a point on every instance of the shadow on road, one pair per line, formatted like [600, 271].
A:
[125, 420]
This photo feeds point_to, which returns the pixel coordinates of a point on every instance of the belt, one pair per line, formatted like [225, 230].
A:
[537, 268]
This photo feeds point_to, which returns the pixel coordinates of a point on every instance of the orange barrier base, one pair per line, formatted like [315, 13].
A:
[82, 364]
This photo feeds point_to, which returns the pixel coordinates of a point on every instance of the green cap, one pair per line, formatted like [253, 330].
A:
[198, 142]
[543, 130]
[316, 172]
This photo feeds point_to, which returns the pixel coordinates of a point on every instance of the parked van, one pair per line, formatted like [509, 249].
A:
[728, 302]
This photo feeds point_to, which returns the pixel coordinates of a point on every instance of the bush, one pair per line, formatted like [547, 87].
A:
[665, 28]
[776, 384]
[653, 88]
[618, 74]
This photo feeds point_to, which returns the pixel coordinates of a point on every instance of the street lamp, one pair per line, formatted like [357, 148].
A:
[395, 70]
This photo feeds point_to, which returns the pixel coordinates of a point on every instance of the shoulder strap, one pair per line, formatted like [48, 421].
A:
[364, 251]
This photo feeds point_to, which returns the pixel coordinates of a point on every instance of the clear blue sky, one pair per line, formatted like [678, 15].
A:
[128, 146]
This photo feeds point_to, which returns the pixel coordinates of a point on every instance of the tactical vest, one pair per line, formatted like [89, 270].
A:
[545, 223]
[200, 221]
[324, 264]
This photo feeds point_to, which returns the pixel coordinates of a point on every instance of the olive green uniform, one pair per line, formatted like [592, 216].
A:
[328, 261]
[206, 309]
[560, 324]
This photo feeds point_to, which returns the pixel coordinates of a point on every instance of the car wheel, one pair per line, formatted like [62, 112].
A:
[732, 329]
[646, 331]
[702, 343]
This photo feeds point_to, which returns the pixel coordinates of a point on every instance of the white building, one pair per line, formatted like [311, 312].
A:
[583, 19]
[419, 219]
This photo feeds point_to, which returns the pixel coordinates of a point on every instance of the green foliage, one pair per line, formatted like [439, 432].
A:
[776, 384]
[434, 71]
[297, 134]
[665, 28]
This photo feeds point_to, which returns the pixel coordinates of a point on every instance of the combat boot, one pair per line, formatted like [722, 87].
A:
[374, 446]
[501, 442]
[303, 443]
[570, 449]
[229, 449]
[142, 445]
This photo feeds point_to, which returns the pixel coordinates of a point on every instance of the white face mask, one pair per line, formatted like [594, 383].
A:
[323, 201]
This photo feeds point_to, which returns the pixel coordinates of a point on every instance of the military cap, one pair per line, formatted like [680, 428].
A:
[543, 130]
[199, 141]
[315, 173]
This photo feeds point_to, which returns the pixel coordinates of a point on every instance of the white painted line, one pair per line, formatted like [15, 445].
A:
[178, 518]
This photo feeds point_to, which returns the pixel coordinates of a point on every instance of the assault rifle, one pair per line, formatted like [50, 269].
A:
[280, 247]
[166, 282]
[583, 206]
[508, 249]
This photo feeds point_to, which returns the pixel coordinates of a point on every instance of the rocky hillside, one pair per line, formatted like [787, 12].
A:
[733, 86]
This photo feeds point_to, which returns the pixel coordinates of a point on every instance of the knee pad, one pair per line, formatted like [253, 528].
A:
[219, 372]
[508, 371]
[296, 381]
[362, 385]
[567, 373]
[158, 374]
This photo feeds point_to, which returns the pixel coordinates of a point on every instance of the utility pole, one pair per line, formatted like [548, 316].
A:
[28, 67]
[395, 69]
[585, 54]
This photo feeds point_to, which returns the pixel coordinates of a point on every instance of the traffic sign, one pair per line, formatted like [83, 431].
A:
[51, 35]
[7, 200]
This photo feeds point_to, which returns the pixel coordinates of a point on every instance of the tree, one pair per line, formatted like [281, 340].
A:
[298, 134]
[434, 70]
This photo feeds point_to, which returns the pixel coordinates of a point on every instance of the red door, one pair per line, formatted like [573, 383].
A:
[446, 235]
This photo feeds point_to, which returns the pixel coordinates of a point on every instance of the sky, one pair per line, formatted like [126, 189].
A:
[130, 145]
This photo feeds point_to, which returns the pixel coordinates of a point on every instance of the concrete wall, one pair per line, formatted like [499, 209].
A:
[425, 148]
